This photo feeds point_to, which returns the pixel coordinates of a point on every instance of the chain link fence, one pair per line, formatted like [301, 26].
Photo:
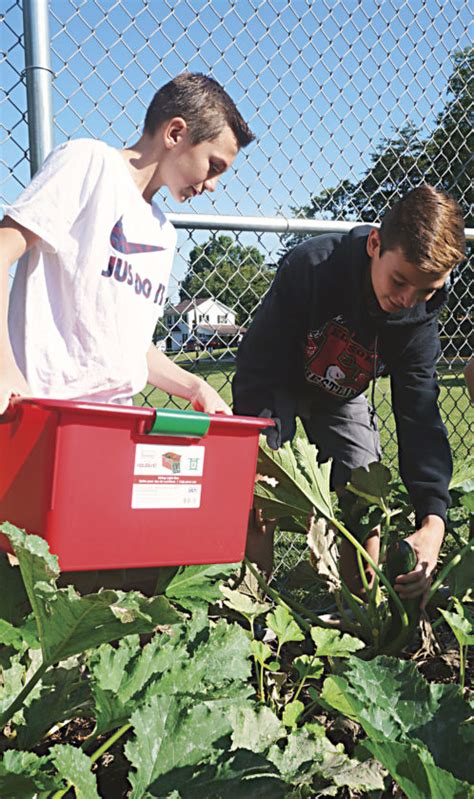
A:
[352, 104]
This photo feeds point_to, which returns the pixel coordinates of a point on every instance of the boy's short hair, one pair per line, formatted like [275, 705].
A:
[428, 226]
[202, 103]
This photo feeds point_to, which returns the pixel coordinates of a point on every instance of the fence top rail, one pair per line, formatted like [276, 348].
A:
[275, 224]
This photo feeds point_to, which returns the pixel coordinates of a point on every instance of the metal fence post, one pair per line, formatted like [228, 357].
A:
[38, 81]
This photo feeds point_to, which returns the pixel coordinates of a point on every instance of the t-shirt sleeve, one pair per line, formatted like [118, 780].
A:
[51, 203]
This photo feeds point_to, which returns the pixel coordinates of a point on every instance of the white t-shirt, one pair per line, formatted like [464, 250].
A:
[84, 306]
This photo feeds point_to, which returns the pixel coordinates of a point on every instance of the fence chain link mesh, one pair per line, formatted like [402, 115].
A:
[352, 104]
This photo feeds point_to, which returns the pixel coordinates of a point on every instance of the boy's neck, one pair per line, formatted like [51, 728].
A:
[143, 161]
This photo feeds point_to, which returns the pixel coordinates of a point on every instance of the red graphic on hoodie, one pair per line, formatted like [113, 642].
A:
[337, 363]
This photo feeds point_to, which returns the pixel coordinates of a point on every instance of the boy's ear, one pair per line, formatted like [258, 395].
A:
[174, 131]
[373, 242]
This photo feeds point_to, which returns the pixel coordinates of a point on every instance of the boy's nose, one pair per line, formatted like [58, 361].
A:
[210, 184]
[409, 297]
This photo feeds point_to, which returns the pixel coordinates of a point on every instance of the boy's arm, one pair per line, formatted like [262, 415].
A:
[15, 241]
[268, 358]
[424, 453]
[168, 376]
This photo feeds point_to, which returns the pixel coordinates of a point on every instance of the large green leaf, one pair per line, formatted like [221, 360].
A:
[246, 605]
[413, 769]
[461, 623]
[393, 702]
[125, 677]
[318, 475]
[460, 577]
[220, 659]
[199, 582]
[372, 483]
[75, 767]
[255, 728]
[312, 760]
[301, 484]
[172, 733]
[333, 643]
[119, 675]
[12, 682]
[24, 774]
[14, 604]
[277, 502]
[281, 465]
[463, 476]
[282, 623]
[467, 500]
[68, 623]
[236, 775]
[20, 638]
[65, 694]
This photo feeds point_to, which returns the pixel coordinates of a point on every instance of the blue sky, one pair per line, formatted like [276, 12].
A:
[320, 83]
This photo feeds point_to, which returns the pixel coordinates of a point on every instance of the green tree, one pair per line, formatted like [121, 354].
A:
[449, 149]
[233, 274]
[399, 163]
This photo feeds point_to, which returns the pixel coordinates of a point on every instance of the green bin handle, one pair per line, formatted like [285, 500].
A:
[169, 421]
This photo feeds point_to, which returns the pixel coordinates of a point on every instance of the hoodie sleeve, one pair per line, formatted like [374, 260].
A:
[423, 449]
[266, 375]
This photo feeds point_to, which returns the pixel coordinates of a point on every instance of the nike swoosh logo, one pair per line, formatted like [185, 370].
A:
[120, 243]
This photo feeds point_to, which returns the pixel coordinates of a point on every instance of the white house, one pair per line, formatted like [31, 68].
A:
[206, 322]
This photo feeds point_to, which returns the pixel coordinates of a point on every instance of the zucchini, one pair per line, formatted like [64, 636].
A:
[401, 559]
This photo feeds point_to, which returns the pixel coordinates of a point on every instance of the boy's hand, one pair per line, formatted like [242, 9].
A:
[12, 383]
[205, 398]
[427, 543]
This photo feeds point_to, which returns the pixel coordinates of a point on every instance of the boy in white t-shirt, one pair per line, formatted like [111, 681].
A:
[86, 297]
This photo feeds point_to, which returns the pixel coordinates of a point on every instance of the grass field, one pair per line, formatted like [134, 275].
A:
[456, 409]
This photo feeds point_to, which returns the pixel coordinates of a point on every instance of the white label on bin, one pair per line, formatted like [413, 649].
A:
[167, 476]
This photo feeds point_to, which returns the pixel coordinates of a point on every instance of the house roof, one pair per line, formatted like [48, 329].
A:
[189, 305]
[221, 330]
[186, 305]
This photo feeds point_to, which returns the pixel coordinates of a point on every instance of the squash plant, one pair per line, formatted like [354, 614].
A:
[192, 716]
[295, 489]
[183, 705]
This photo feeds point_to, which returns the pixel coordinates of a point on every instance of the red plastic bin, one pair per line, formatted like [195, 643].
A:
[95, 481]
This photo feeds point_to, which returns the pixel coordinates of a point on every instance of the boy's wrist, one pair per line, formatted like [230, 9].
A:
[193, 387]
[433, 524]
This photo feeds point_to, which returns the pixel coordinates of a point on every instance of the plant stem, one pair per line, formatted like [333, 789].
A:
[261, 686]
[299, 689]
[384, 528]
[462, 665]
[355, 543]
[274, 594]
[342, 610]
[353, 603]
[110, 741]
[363, 576]
[294, 607]
[18, 701]
[448, 568]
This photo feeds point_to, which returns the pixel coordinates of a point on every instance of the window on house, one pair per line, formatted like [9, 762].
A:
[221, 320]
